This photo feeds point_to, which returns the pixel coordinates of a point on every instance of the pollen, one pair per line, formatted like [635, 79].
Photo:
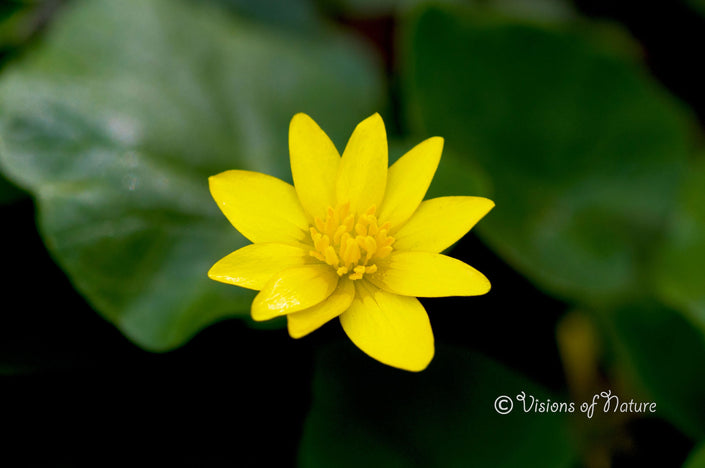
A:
[348, 243]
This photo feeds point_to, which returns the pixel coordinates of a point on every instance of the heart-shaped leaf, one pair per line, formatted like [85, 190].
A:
[115, 122]
[583, 149]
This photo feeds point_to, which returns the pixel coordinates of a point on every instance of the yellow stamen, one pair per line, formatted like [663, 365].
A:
[331, 256]
[349, 243]
[359, 271]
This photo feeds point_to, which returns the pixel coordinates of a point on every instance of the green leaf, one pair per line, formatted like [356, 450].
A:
[696, 458]
[116, 121]
[364, 414]
[678, 271]
[583, 149]
[664, 356]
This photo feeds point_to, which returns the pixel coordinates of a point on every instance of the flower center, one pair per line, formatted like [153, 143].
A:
[350, 246]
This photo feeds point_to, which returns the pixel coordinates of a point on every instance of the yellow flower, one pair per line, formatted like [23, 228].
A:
[351, 239]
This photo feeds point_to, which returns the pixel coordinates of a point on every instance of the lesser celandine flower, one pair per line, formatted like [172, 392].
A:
[351, 239]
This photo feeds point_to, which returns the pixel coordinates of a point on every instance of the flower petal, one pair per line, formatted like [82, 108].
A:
[253, 265]
[263, 208]
[362, 175]
[440, 222]
[304, 322]
[426, 274]
[408, 181]
[393, 329]
[314, 165]
[294, 289]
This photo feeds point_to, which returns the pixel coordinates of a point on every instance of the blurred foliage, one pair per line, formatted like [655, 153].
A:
[444, 416]
[666, 357]
[115, 118]
[585, 152]
[679, 271]
[116, 123]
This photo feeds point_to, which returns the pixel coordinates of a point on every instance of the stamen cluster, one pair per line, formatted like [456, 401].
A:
[351, 246]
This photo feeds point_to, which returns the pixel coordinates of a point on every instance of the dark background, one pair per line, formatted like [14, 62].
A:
[78, 393]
